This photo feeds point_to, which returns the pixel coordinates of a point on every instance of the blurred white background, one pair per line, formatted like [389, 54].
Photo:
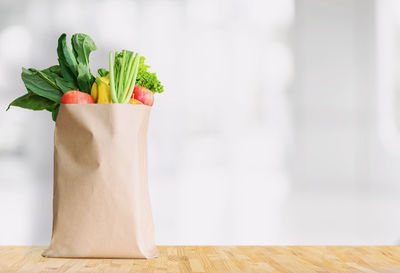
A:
[279, 123]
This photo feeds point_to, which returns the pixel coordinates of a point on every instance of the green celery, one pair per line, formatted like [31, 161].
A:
[112, 82]
[132, 78]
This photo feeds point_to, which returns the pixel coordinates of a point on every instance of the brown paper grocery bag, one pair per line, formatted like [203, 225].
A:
[101, 205]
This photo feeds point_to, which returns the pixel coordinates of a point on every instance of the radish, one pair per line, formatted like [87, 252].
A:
[143, 95]
[76, 97]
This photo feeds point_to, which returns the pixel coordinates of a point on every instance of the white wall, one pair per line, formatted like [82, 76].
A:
[334, 94]
[217, 136]
[269, 130]
[345, 100]
[344, 165]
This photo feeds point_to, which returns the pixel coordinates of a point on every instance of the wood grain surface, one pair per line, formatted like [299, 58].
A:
[216, 259]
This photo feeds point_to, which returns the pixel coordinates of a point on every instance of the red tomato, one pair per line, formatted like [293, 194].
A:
[143, 95]
[76, 97]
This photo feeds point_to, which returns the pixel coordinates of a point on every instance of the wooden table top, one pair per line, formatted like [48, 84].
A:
[216, 259]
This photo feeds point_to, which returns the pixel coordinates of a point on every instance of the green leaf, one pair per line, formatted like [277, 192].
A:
[33, 102]
[82, 45]
[101, 72]
[84, 78]
[142, 65]
[41, 84]
[65, 85]
[54, 112]
[54, 73]
[66, 59]
[66, 72]
[147, 79]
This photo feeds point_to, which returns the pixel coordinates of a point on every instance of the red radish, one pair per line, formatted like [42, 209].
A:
[143, 95]
[76, 97]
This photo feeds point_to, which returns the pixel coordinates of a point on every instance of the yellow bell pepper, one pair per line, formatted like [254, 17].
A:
[94, 91]
[101, 90]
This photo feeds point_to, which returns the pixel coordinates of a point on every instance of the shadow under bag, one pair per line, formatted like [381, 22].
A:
[101, 204]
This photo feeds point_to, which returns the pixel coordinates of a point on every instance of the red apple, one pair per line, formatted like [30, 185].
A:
[143, 95]
[76, 97]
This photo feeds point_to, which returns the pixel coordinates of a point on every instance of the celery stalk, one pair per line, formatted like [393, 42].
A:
[128, 79]
[121, 75]
[131, 82]
[112, 80]
[127, 76]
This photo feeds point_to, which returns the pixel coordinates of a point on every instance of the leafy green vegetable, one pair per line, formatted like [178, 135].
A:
[46, 87]
[82, 46]
[65, 85]
[75, 63]
[84, 78]
[147, 79]
[54, 73]
[41, 84]
[66, 59]
[33, 102]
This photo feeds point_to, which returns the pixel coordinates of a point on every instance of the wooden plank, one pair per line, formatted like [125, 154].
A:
[208, 259]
